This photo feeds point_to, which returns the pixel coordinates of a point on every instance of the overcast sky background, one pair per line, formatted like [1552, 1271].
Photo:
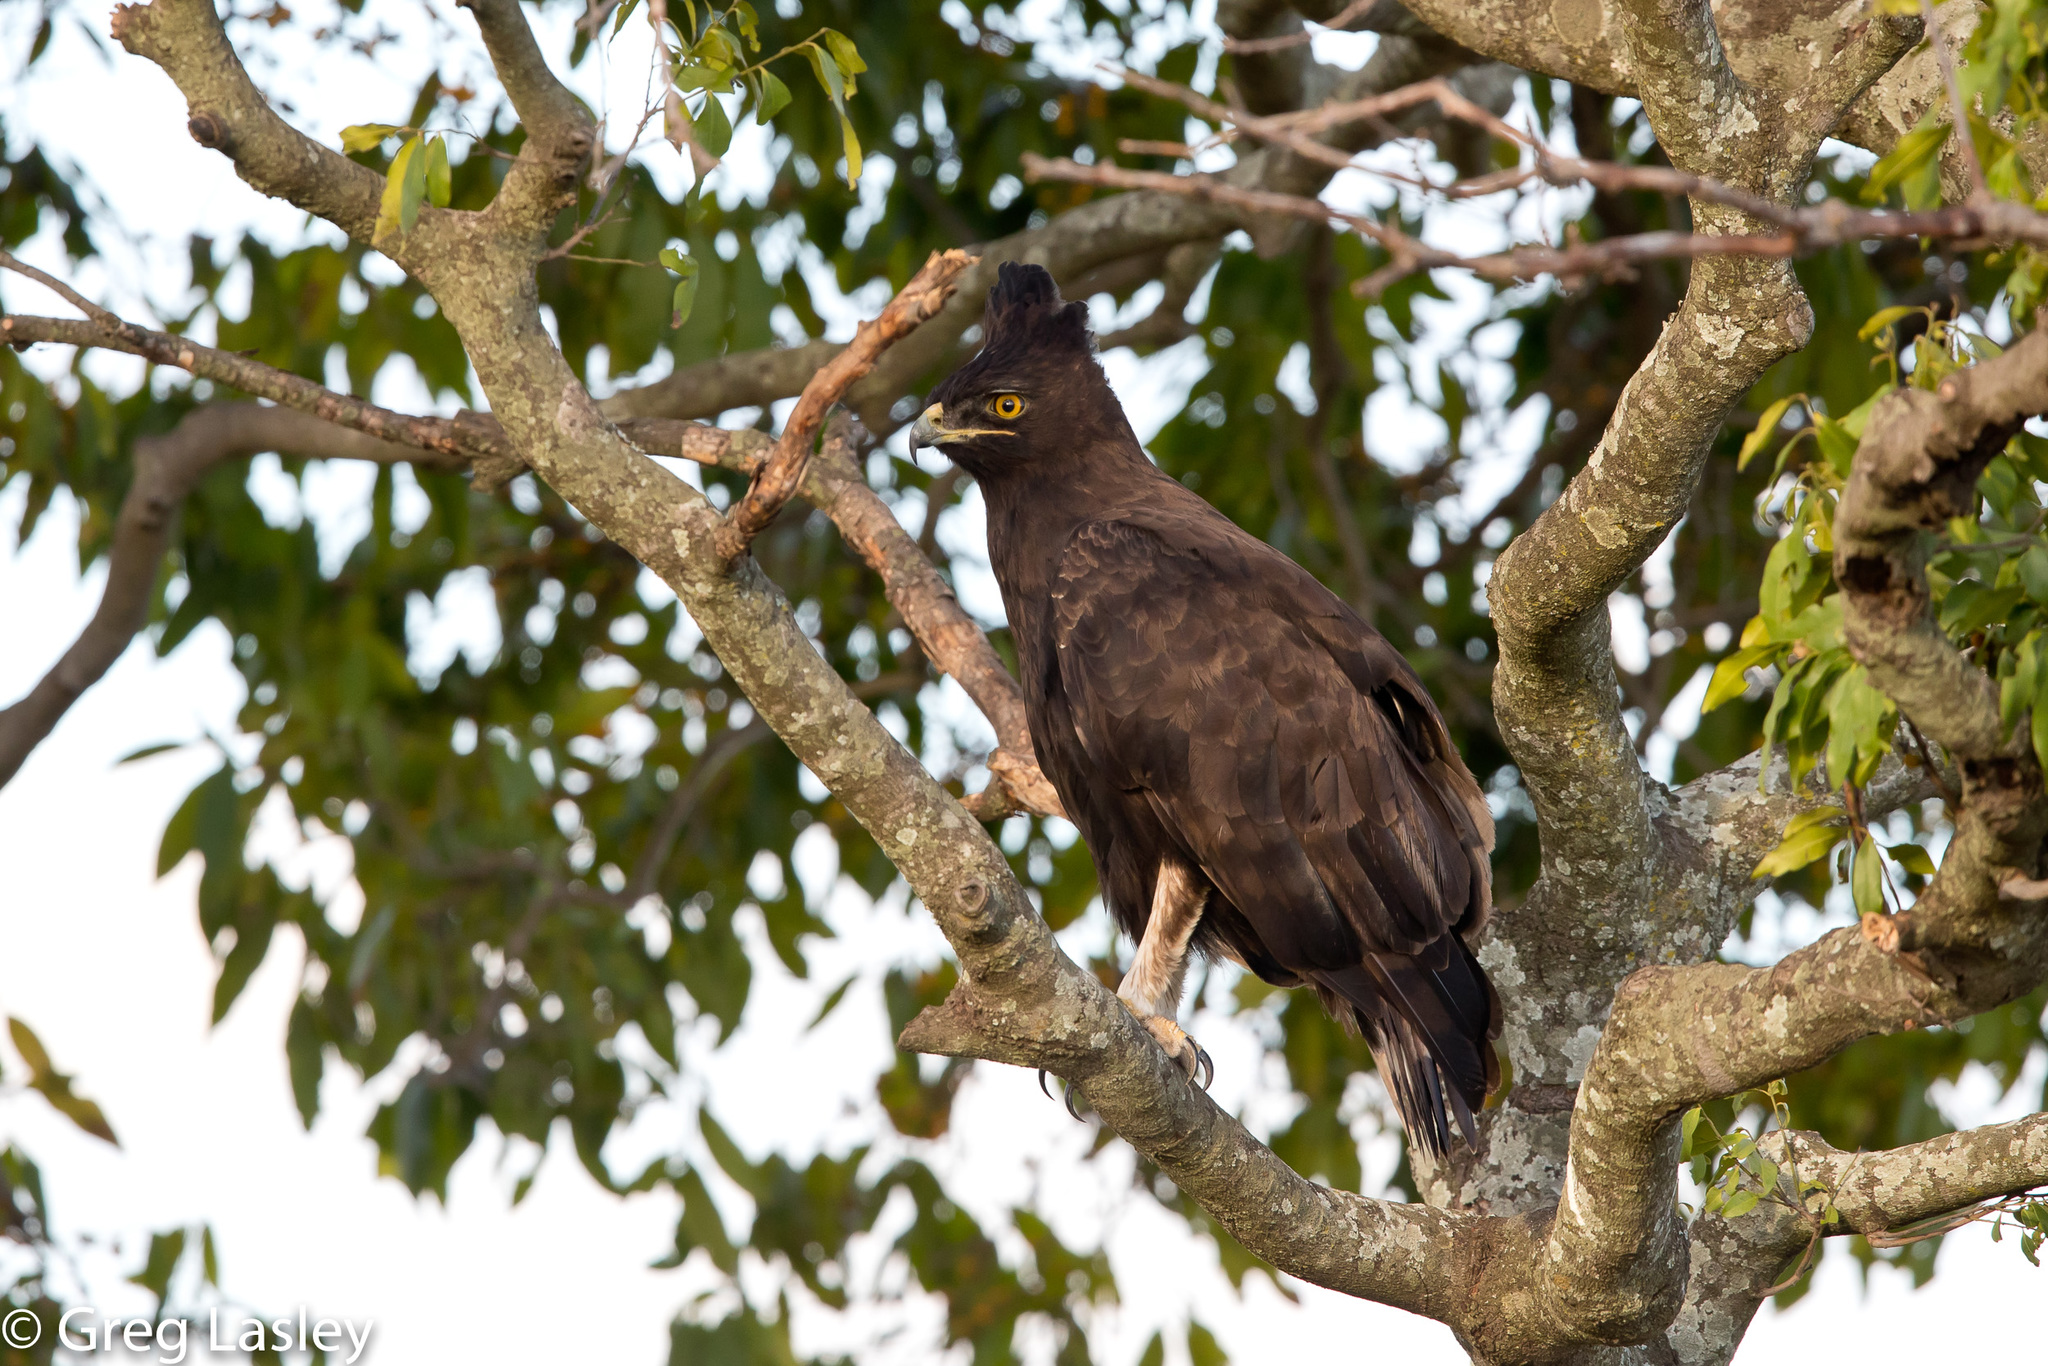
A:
[109, 966]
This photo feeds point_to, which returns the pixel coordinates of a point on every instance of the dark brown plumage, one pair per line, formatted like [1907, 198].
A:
[1243, 754]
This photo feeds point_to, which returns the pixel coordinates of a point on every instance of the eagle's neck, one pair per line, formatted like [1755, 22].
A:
[1034, 510]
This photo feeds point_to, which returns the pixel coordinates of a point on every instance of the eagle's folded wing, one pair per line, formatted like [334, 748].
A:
[1310, 791]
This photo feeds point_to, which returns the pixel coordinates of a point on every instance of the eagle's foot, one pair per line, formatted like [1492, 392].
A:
[1067, 1086]
[1179, 1045]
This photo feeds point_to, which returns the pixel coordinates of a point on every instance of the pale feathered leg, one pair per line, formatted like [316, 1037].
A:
[1151, 988]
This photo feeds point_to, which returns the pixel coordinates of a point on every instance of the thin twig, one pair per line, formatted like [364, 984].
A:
[1806, 230]
[471, 436]
[71, 296]
[597, 220]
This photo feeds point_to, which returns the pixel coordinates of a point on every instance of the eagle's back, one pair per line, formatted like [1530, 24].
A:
[1194, 694]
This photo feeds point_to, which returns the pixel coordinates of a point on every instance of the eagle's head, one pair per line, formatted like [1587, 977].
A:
[1035, 390]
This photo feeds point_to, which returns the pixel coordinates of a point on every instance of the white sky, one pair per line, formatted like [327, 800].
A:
[109, 966]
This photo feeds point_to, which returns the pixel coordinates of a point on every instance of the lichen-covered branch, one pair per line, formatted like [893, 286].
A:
[1772, 45]
[560, 132]
[1917, 468]
[227, 113]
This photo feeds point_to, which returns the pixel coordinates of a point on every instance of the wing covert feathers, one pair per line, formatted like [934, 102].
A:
[1235, 712]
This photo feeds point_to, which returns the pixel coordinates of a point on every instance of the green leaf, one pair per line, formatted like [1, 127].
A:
[1819, 627]
[1867, 880]
[714, 128]
[846, 55]
[136, 756]
[701, 1226]
[1885, 317]
[1203, 1349]
[1819, 815]
[852, 150]
[835, 87]
[29, 1046]
[1797, 850]
[694, 76]
[832, 1000]
[774, 97]
[1767, 1175]
[1731, 679]
[404, 187]
[1688, 1125]
[1913, 858]
[437, 176]
[1908, 165]
[1836, 443]
[2033, 572]
[366, 137]
[686, 287]
[198, 820]
[1155, 1352]
[1861, 721]
[165, 1250]
[55, 1086]
[1766, 428]
[2016, 689]
[1740, 1203]
[624, 11]
[2040, 716]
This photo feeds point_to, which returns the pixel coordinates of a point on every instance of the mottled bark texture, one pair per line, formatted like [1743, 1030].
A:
[1559, 1239]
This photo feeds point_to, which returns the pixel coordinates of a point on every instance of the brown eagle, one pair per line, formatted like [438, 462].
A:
[1257, 772]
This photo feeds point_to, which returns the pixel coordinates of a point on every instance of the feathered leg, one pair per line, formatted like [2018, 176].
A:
[1151, 988]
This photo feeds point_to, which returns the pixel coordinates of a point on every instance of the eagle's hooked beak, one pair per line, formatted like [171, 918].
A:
[929, 427]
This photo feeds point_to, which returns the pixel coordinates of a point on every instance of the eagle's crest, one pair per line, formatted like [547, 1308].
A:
[1026, 316]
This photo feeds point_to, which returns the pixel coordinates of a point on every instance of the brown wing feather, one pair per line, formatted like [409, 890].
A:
[1289, 752]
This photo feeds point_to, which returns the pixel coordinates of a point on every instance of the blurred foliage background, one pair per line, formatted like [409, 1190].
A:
[559, 842]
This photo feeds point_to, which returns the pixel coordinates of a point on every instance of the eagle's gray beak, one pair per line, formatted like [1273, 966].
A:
[925, 431]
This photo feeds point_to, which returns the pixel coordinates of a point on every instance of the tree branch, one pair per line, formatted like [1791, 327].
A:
[229, 114]
[459, 440]
[780, 477]
[167, 468]
[1917, 468]
[949, 637]
[560, 133]
[1766, 49]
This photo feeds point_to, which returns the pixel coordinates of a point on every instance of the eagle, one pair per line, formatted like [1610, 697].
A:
[1258, 774]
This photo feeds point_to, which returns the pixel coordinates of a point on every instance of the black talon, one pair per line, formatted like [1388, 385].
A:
[1043, 1089]
[1070, 1103]
[1205, 1066]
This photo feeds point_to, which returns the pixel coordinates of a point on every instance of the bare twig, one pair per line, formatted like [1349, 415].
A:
[58, 287]
[783, 473]
[472, 436]
[1806, 230]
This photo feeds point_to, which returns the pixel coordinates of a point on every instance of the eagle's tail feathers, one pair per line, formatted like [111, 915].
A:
[1431, 1051]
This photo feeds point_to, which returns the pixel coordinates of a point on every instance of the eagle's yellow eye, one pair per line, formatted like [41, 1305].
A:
[1006, 405]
